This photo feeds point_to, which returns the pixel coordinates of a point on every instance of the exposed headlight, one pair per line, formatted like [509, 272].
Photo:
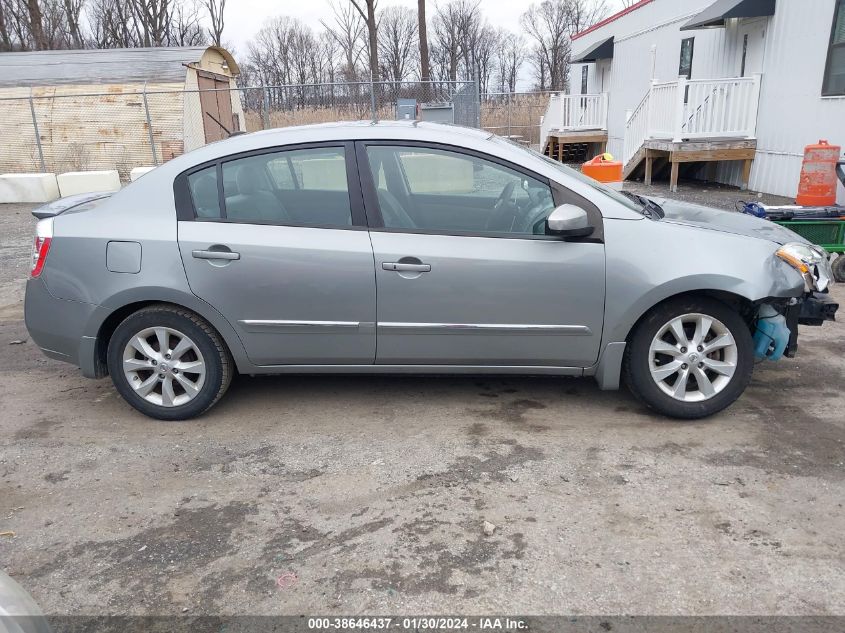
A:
[811, 261]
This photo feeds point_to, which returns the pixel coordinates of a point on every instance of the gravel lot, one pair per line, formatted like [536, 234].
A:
[372, 492]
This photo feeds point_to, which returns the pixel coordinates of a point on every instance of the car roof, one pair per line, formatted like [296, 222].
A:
[376, 129]
[338, 131]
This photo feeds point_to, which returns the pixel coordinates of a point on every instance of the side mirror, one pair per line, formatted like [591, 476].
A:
[567, 220]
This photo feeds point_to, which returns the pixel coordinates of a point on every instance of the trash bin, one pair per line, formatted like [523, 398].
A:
[604, 169]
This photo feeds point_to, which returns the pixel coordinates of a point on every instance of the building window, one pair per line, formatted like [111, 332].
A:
[834, 73]
[584, 71]
[685, 67]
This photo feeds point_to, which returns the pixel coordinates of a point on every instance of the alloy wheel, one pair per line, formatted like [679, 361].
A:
[164, 366]
[693, 357]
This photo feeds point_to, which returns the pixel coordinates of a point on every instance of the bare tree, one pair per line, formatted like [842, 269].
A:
[185, 28]
[40, 24]
[584, 13]
[109, 24]
[325, 64]
[72, 17]
[455, 24]
[397, 38]
[36, 25]
[17, 24]
[549, 25]
[6, 42]
[422, 30]
[286, 51]
[347, 30]
[539, 67]
[151, 20]
[215, 10]
[369, 17]
[510, 57]
[482, 56]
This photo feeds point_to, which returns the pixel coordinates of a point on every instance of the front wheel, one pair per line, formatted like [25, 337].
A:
[168, 363]
[838, 267]
[689, 357]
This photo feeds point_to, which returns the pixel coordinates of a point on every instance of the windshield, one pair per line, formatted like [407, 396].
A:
[574, 173]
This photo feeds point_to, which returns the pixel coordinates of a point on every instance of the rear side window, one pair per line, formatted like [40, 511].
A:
[306, 186]
[291, 187]
[203, 187]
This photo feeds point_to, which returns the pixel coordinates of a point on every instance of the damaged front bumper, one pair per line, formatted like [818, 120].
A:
[812, 309]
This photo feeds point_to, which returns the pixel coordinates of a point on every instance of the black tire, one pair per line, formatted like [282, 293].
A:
[218, 362]
[838, 267]
[636, 364]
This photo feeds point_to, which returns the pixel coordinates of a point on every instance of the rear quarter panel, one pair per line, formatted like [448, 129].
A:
[142, 212]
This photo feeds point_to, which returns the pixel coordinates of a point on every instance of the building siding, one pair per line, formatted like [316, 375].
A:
[792, 112]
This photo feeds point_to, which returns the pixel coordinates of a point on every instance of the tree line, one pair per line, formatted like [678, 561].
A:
[445, 40]
[36, 25]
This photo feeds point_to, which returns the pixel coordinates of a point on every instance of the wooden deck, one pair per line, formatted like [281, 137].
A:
[575, 145]
[655, 155]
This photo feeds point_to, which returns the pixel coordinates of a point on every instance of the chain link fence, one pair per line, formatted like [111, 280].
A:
[120, 129]
[515, 115]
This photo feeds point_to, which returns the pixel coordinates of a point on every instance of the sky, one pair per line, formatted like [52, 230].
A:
[244, 18]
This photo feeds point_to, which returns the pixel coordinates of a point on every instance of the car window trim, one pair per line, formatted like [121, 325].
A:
[376, 221]
[186, 212]
[221, 193]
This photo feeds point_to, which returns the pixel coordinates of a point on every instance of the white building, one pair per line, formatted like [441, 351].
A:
[690, 83]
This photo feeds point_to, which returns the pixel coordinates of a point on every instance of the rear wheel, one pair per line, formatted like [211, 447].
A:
[689, 357]
[168, 363]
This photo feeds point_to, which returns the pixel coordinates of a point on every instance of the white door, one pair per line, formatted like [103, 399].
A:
[752, 39]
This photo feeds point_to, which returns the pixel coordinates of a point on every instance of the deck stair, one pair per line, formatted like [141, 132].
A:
[692, 121]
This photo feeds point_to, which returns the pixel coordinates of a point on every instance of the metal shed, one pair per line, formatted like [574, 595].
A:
[51, 100]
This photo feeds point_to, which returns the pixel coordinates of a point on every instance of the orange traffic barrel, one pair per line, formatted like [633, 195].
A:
[604, 169]
[817, 185]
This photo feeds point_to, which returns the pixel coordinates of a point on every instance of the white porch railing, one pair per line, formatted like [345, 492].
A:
[694, 109]
[574, 112]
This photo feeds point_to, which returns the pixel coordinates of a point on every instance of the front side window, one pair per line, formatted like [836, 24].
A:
[291, 187]
[572, 173]
[834, 74]
[445, 191]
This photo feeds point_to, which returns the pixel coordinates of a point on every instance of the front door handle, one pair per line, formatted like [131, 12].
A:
[215, 255]
[401, 267]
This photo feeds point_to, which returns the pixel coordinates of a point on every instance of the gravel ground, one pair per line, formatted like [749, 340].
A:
[369, 494]
[711, 194]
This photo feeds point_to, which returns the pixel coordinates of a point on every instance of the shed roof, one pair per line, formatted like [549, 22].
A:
[92, 66]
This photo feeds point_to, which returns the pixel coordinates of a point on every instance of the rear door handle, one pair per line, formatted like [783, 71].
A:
[402, 267]
[215, 255]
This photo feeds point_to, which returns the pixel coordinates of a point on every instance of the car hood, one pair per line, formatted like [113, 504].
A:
[726, 221]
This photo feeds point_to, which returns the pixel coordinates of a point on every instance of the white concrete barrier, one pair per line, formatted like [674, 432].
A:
[137, 172]
[28, 188]
[73, 182]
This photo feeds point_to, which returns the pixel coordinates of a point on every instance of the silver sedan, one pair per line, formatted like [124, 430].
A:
[409, 248]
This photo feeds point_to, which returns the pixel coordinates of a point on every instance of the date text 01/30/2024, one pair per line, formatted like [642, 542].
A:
[424, 623]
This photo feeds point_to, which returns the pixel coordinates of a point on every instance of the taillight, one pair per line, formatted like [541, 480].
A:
[41, 245]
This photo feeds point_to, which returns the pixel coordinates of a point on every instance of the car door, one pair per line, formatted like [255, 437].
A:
[276, 241]
[465, 273]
